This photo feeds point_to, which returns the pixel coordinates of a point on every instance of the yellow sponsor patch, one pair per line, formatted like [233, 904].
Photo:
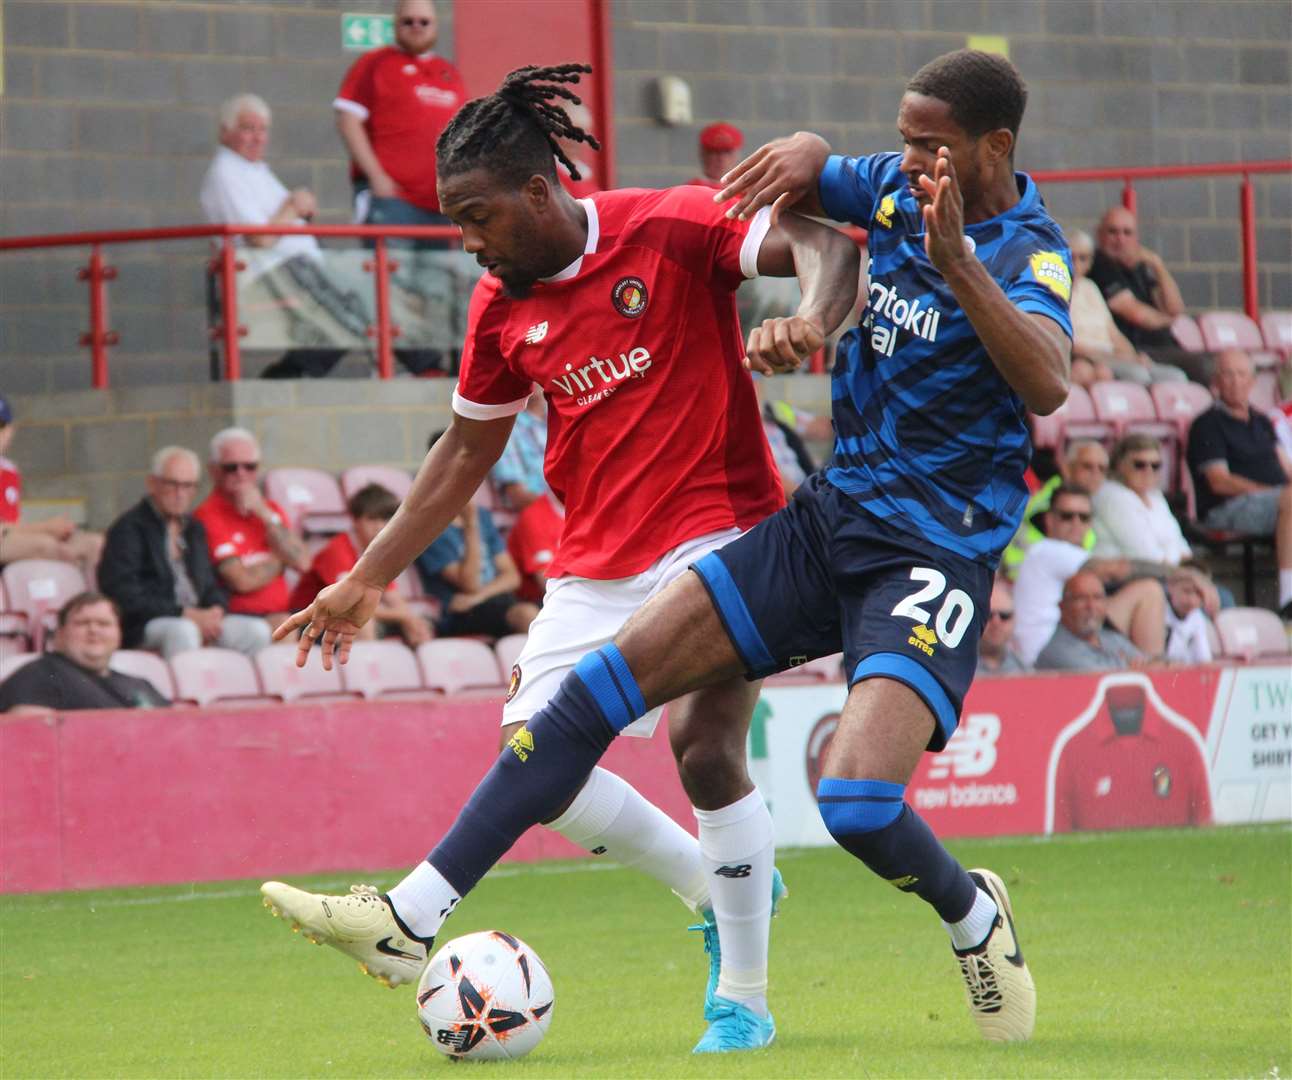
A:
[522, 744]
[1051, 271]
[887, 208]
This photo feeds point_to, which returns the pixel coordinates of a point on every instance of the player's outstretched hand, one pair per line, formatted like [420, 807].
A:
[336, 616]
[781, 345]
[780, 173]
[944, 217]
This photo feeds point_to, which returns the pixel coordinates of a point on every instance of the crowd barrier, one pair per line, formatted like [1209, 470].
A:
[97, 799]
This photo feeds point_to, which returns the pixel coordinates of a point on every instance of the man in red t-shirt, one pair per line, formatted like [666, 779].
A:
[250, 537]
[532, 544]
[622, 307]
[719, 150]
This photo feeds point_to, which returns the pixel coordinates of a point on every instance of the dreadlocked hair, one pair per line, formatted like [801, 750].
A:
[513, 132]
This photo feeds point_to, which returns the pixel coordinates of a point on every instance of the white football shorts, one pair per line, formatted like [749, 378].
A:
[579, 615]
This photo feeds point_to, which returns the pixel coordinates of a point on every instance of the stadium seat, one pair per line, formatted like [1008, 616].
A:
[1074, 419]
[394, 479]
[1249, 633]
[13, 625]
[1186, 333]
[456, 664]
[381, 669]
[1178, 403]
[1234, 330]
[1276, 331]
[1265, 391]
[279, 675]
[312, 498]
[12, 662]
[212, 674]
[145, 665]
[37, 588]
[507, 650]
[1128, 407]
[409, 586]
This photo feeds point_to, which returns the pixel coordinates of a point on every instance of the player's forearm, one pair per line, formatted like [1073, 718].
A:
[356, 140]
[1035, 364]
[826, 263]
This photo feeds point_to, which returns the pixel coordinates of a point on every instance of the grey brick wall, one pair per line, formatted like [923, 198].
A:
[108, 120]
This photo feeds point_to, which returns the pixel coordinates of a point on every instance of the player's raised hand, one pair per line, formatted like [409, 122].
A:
[336, 616]
[944, 217]
[781, 173]
[781, 345]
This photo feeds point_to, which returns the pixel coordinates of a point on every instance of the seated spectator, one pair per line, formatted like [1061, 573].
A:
[1081, 641]
[370, 508]
[1132, 518]
[239, 188]
[468, 570]
[1099, 350]
[1187, 635]
[1241, 476]
[1136, 608]
[55, 538]
[157, 569]
[996, 653]
[249, 537]
[75, 674]
[1141, 294]
[1084, 464]
[719, 150]
[518, 474]
[532, 544]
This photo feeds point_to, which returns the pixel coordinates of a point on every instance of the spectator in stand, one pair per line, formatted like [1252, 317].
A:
[532, 544]
[1099, 350]
[1141, 293]
[518, 474]
[1084, 464]
[1241, 476]
[75, 674]
[1188, 638]
[1136, 608]
[249, 537]
[240, 188]
[157, 570]
[55, 538]
[369, 508]
[996, 653]
[1082, 641]
[468, 570]
[719, 150]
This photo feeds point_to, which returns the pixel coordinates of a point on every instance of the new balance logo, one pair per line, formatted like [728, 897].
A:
[971, 751]
[536, 333]
[734, 871]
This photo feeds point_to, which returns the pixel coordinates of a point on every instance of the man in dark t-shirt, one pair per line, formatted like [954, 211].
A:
[76, 674]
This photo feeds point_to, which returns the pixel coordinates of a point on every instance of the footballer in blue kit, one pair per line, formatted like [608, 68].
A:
[887, 555]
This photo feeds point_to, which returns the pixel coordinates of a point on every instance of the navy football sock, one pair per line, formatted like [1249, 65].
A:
[868, 819]
[546, 762]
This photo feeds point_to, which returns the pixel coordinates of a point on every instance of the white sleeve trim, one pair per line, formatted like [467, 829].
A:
[754, 242]
[346, 105]
[475, 411]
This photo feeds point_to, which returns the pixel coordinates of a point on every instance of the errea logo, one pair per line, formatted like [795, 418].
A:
[536, 333]
[971, 751]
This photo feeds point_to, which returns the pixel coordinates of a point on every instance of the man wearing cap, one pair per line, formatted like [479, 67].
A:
[719, 150]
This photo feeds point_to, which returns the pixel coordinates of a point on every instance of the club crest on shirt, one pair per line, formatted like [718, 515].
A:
[514, 685]
[1051, 271]
[1162, 782]
[887, 208]
[629, 297]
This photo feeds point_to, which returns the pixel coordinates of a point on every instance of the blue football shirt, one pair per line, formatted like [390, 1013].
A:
[930, 437]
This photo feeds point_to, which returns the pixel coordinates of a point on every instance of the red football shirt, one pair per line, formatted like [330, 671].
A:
[230, 534]
[533, 541]
[653, 431]
[405, 102]
[1155, 779]
[10, 491]
[330, 564]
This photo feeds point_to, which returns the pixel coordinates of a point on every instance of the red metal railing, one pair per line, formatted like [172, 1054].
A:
[226, 264]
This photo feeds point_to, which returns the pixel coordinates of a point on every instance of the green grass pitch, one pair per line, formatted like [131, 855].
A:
[1154, 954]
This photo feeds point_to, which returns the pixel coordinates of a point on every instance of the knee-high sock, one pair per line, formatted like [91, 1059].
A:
[610, 817]
[737, 847]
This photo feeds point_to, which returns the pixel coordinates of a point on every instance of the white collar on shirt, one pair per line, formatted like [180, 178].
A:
[594, 234]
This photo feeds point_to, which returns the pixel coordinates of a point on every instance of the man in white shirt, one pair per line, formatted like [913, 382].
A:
[240, 188]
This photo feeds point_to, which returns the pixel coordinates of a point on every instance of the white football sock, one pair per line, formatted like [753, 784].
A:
[972, 930]
[738, 849]
[610, 817]
[1285, 587]
[423, 900]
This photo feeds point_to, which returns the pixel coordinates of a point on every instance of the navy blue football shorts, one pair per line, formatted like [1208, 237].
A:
[824, 576]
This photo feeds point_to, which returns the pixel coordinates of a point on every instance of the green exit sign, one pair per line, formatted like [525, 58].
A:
[361, 31]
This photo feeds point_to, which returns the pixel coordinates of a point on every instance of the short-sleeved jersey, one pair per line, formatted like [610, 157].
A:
[1248, 449]
[229, 535]
[405, 102]
[10, 491]
[929, 435]
[653, 431]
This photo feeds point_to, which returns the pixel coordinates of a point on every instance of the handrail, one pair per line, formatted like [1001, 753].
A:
[96, 274]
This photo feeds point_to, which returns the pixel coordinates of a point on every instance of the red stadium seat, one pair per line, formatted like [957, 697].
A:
[394, 479]
[37, 588]
[12, 662]
[1276, 330]
[207, 675]
[409, 586]
[1249, 633]
[1178, 403]
[279, 675]
[1186, 333]
[381, 669]
[1234, 330]
[145, 665]
[507, 649]
[1074, 419]
[311, 497]
[13, 626]
[456, 664]
[1128, 407]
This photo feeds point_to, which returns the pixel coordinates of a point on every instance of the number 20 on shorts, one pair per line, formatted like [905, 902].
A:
[953, 617]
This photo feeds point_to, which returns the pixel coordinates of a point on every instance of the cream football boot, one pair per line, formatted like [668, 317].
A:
[1002, 997]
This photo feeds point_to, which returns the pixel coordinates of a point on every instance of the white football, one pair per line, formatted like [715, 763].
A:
[485, 997]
